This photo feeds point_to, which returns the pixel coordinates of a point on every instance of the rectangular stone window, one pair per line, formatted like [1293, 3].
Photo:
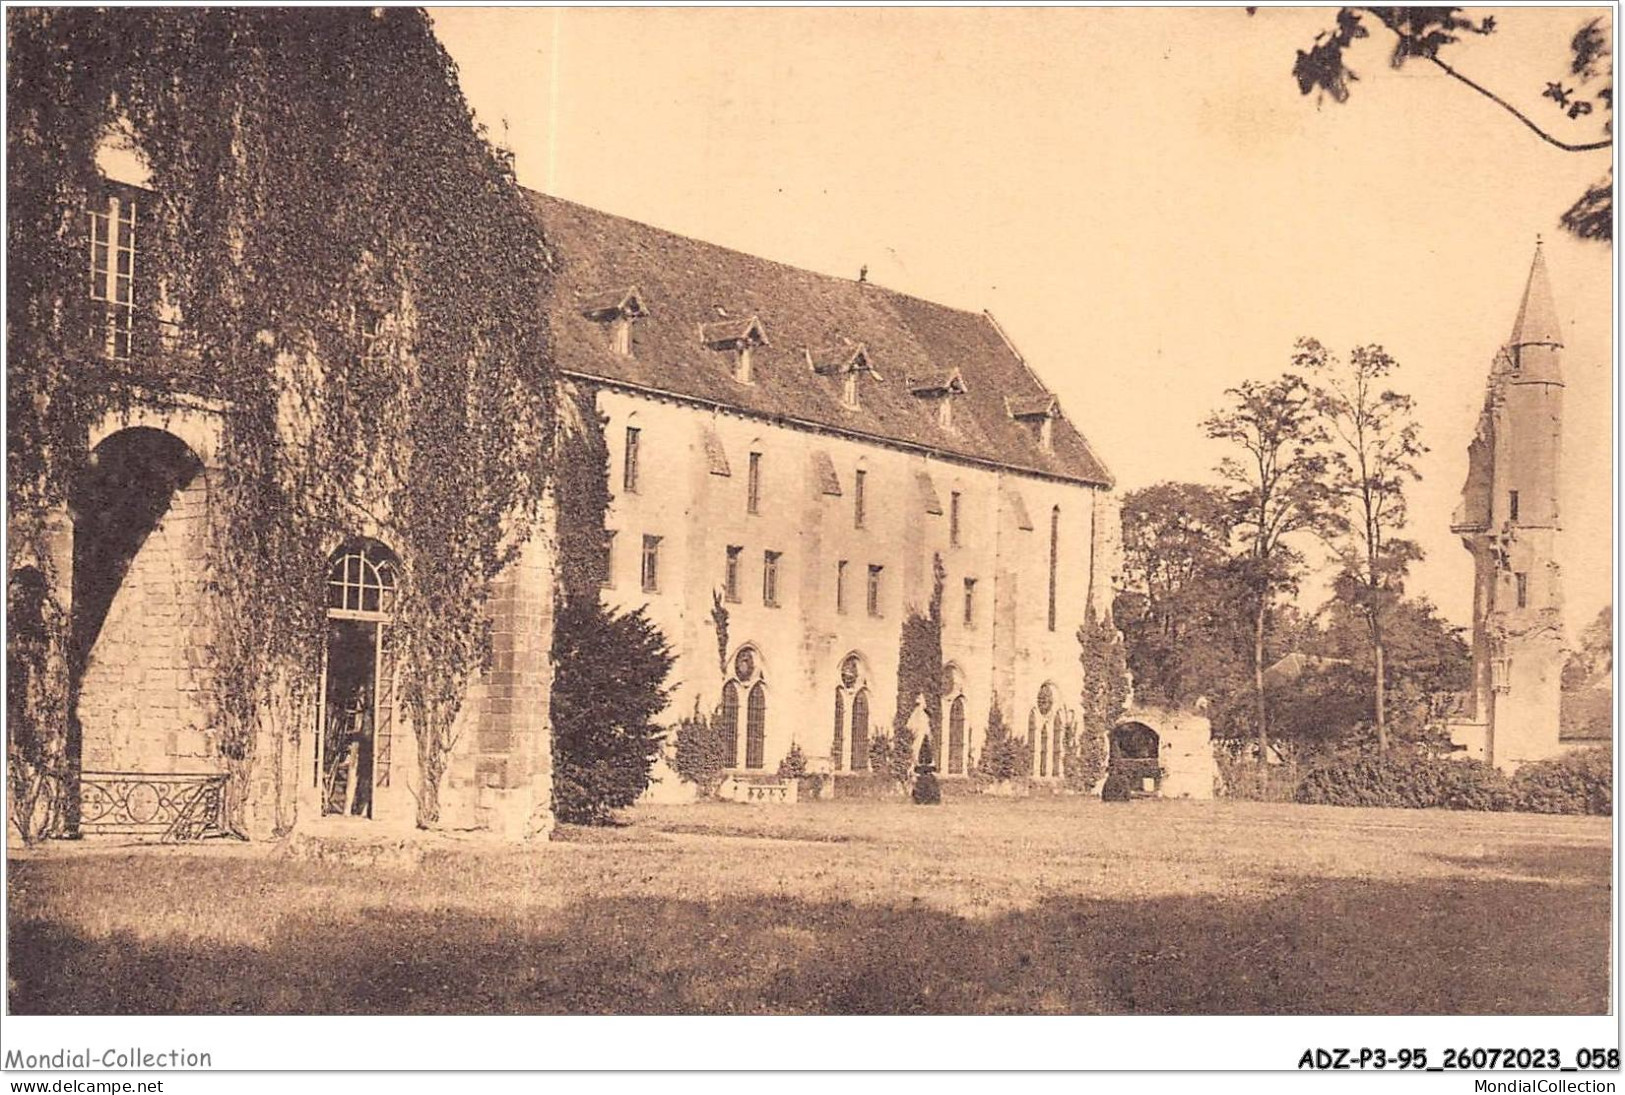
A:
[1523, 589]
[875, 572]
[629, 477]
[753, 484]
[606, 561]
[970, 602]
[858, 500]
[770, 578]
[1512, 505]
[840, 586]
[953, 519]
[651, 564]
[374, 347]
[730, 573]
[112, 271]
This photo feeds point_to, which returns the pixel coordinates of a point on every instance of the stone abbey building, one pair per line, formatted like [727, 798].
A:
[803, 450]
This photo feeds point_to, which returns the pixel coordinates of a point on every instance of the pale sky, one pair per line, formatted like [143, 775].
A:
[1140, 196]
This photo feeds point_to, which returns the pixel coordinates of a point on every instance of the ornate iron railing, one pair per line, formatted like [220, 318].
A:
[169, 805]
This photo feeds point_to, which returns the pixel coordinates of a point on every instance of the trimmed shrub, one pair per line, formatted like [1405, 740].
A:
[794, 764]
[1581, 782]
[1003, 756]
[865, 786]
[891, 756]
[1404, 778]
[927, 791]
[703, 752]
[1117, 788]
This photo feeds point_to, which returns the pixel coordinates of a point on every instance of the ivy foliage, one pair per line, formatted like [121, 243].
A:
[919, 675]
[311, 169]
[1105, 694]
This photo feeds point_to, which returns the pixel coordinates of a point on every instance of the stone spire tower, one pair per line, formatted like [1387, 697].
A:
[1509, 521]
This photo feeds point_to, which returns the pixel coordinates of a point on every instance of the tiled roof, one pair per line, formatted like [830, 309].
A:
[684, 282]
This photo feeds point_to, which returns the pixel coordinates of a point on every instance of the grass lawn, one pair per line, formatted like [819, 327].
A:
[978, 906]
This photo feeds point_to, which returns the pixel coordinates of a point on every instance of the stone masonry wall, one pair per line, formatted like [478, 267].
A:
[144, 701]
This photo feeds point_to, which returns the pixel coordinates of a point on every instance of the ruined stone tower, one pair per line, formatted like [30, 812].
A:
[1509, 520]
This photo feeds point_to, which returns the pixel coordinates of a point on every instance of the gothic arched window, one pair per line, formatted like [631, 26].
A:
[956, 736]
[838, 744]
[860, 731]
[730, 722]
[756, 726]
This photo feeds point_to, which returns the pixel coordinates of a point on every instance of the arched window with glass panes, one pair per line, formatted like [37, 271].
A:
[746, 683]
[953, 694]
[849, 747]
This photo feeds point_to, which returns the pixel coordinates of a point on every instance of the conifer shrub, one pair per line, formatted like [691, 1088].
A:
[794, 764]
[702, 751]
[609, 684]
[891, 756]
[1003, 757]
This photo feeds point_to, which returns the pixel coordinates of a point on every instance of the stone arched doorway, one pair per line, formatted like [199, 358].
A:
[139, 747]
[1134, 762]
[354, 755]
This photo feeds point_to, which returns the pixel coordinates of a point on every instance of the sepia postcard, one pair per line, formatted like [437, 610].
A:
[1093, 512]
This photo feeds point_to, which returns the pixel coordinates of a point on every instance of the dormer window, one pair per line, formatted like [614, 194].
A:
[943, 390]
[618, 310]
[1038, 414]
[850, 363]
[742, 337]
